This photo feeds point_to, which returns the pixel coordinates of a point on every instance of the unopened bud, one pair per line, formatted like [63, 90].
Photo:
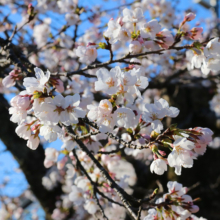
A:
[154, 148]
[130, 131]
[31, 12]
[102, 45]
[155, 191]
[166, 142]
[189, 17]
[162, 153]
[155, 156]
[114, 97]
[154, 134]
[120, 21]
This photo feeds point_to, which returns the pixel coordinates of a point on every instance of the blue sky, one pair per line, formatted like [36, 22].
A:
[8, 166]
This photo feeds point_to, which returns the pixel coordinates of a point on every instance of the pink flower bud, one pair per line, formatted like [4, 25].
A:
[120, 21]
[162, 152]
[155, 157]
[189, 17]
[8, 81]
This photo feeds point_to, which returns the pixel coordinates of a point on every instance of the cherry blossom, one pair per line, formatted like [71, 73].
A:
[87, 54]
[132, 16]
[158, 166]
[150, 29]
[33, 84]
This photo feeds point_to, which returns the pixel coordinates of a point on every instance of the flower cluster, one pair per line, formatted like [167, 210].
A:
[48, 110]
[102, 113]
[185, 145]
[175, 204]
[206, 58]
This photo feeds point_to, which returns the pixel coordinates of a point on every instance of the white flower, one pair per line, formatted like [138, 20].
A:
[51, 156]
[106, 123]
[67, 5]
[153, 115]
[128, 79]
[181, 211]
[135, 47]
[20, 104]
[76, 195]
[91, 206]
[181, 155]
[93, 145]
[33, 84]
[152, 214]
[23, 130]
[68, 144]
[150, 29]
[157, 111]
[211, 63]
[50, 132]
[125, 117]
[93, 112]
[33, 142]
[116, 32]
[103, 116]
[86, 54]
[176, 189]
[66, 41]
[61, 109]
[18, 115]
[212, 48]
[72, 110]
[41, 32]
[108, 81]
[70, 171]
[197, 218]
[158, 166]
[72, 18]
[203, 140]
[133, 16]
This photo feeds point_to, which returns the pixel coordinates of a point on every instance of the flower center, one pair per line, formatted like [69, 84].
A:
[59, 109]
[110, 82]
